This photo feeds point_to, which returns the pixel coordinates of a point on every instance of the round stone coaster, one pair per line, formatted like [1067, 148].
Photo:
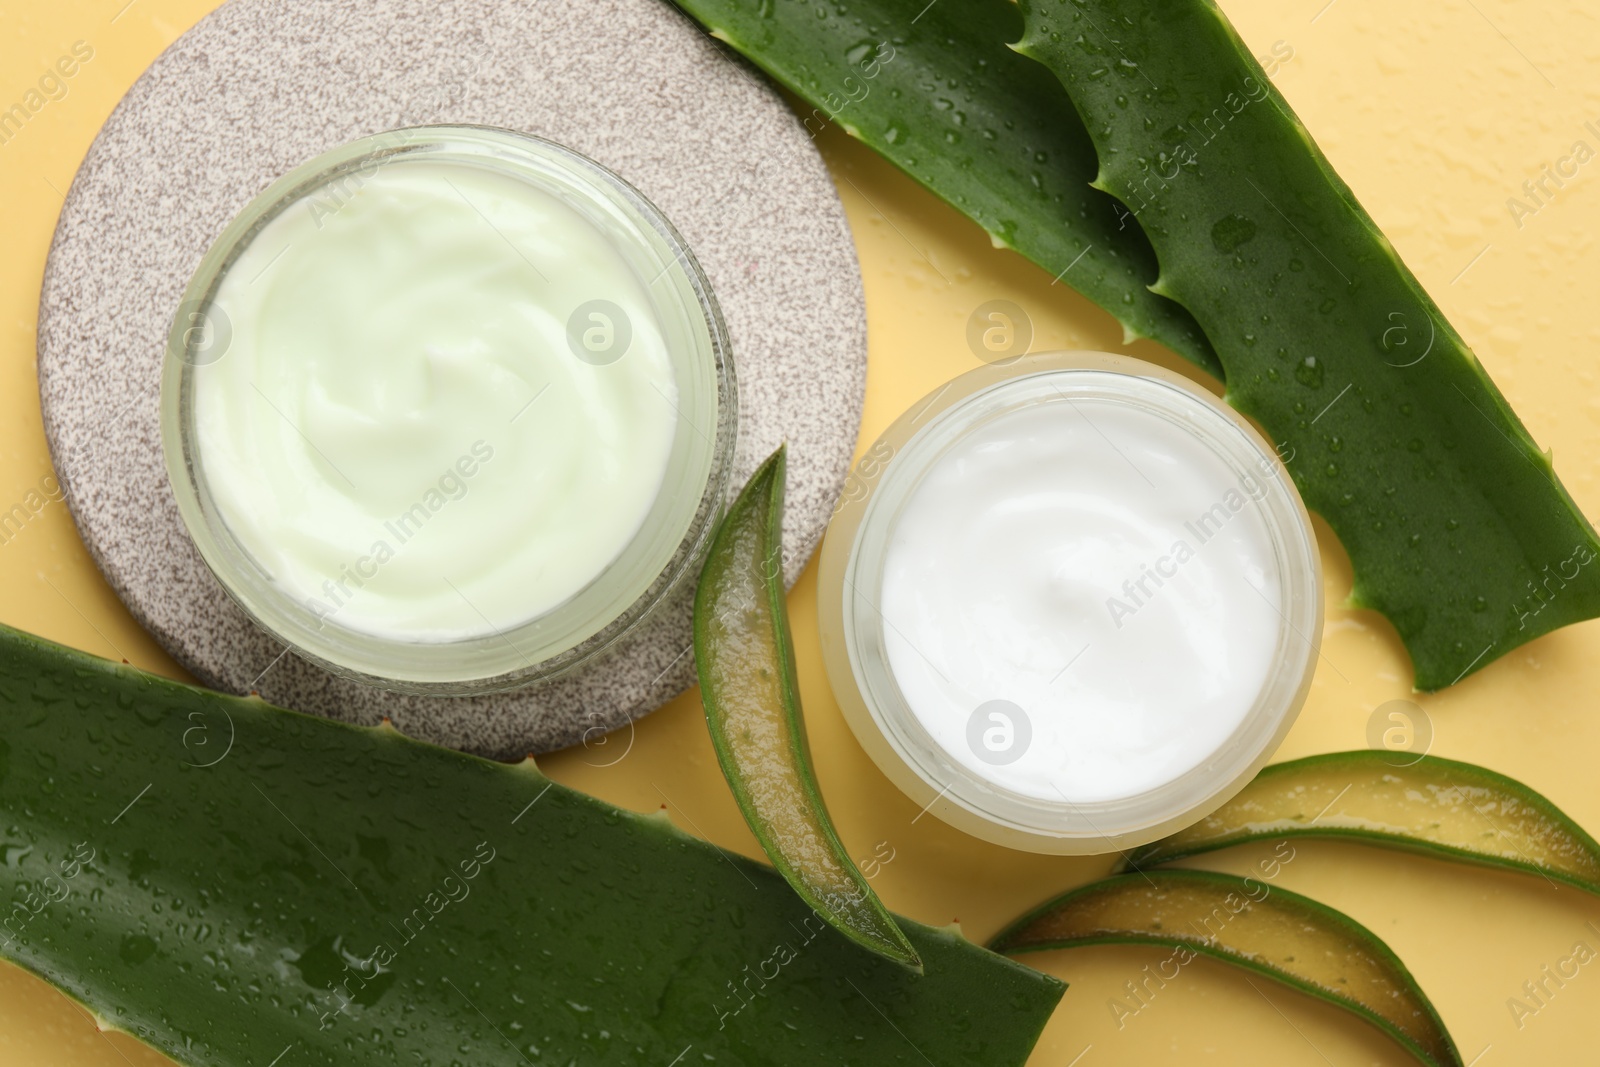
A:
[259, 87]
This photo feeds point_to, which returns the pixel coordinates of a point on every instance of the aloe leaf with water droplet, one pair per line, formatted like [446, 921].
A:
[933, 88]
[1457, 528]
[239, 885]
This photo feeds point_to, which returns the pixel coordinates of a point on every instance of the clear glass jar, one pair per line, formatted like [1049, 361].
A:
[663, 555]
[856, 635]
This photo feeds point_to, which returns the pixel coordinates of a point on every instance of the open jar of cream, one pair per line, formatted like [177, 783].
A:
[449, 409]
[1071, 604]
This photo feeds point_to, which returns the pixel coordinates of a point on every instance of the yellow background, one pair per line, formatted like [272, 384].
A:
[1435, 114]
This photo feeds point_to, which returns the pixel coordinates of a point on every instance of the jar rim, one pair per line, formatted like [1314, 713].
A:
[856, 657]
[657, 562]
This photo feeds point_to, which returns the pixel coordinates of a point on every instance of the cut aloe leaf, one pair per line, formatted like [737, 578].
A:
[239, 886]
[747, 682]
[1455, 523]
[1273, 932]
[936, 91]
[1436, 806]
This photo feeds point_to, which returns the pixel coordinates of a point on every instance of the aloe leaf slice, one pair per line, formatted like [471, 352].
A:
[1273, 932]
[1456, 525]
[745, 659]
[1426, 804]
[935, 90]
[239, 885]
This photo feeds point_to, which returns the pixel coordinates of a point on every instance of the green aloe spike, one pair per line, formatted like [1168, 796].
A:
[935, 90]
[1456, 525]
[1457, 528]
[239, 885]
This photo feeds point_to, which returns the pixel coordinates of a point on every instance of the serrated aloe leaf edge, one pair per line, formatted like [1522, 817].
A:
[1457, 528]
[745, 659]
[236, 884]
[935, 90]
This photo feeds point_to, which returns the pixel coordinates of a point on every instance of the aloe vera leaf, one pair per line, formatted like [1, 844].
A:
[745, 658]
[1286, 937]
[1435, 806]
[934, 89]
[233, 883]
[1456, 526]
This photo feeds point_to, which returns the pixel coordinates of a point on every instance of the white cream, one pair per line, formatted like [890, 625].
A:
[1097, 567]
[398, 431]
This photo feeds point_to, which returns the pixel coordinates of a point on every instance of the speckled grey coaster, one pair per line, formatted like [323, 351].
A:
[263, 85]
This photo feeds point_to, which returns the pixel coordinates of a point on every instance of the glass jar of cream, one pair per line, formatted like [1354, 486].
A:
[1070, 604]
[449, 409]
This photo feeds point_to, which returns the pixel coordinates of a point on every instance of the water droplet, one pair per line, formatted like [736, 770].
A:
[1309, 372]
[1231, 231]
[859, 52]
[135, 949]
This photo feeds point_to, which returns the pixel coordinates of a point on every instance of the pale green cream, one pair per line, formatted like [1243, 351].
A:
[399, 431]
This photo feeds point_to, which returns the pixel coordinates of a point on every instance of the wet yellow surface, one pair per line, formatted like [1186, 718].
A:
[1435, 114]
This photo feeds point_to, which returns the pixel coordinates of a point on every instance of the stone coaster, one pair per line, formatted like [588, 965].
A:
[261, 86]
